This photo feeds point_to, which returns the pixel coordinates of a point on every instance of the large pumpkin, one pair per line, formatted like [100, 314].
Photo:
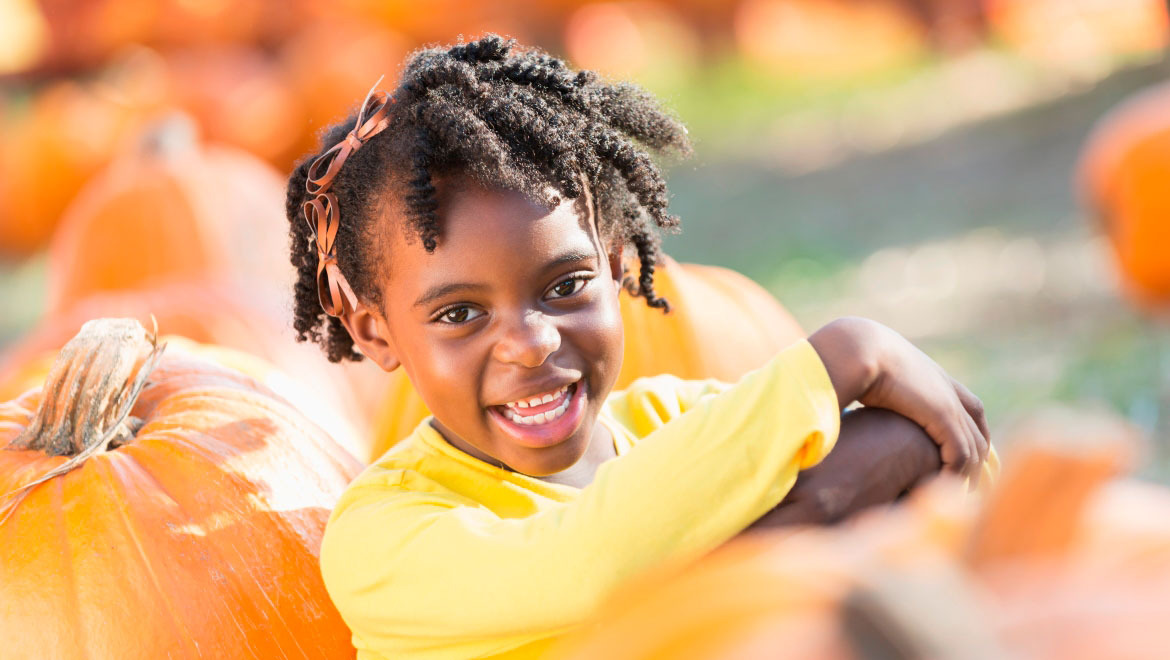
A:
[162, 508]
[252, 319]
[1125, 180]
[167, 209]
[721, 325]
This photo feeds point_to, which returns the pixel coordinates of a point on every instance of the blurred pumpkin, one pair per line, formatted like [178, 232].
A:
[647, 41]
[826, 37]
[84, 34]
[182, 22]
[331, 64]
[239, 97]
[444, 19]
[1068, 31]
[49, 146]
[171, 208]
[721, 325]
[249, 318]
[1061, 560]
[167, 495]
[1124, 178]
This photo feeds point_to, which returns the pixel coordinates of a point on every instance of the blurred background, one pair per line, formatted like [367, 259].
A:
[961, 170]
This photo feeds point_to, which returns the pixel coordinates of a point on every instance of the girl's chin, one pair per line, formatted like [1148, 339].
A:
[545, 465]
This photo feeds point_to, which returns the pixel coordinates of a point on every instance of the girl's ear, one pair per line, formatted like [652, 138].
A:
[615, 263]
[370, 336]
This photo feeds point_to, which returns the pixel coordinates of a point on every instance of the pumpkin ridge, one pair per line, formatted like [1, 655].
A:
[120, 494]
[206, 459]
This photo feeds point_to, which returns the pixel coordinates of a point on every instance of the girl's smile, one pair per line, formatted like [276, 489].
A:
[553, 418]
[510, 329]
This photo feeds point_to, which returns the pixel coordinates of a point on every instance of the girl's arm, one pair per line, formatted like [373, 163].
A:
[879, 455]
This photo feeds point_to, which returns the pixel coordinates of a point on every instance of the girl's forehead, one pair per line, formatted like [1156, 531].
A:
[474, 219]
[459, 196]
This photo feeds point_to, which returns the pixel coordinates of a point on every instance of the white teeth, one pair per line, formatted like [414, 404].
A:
[538, 400]
[538, 418]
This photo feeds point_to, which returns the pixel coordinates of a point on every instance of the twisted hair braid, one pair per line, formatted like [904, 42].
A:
[518, 119]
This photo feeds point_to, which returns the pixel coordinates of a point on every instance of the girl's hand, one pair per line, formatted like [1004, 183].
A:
[869, 363]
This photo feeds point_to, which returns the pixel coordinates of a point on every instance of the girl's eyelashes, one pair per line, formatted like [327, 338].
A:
[457, 314]
[461, 313]
[569, 286]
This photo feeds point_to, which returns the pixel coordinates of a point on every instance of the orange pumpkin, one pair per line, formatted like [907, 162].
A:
[168, 209]
[251, 319]
[188, 23]
[48, 149]
[826, 37]
[447, 18]
[1124, 170]
[83, 34]
[331, 63]
[1068, 31]
[239, 97]
[721, 325]
[163, 508]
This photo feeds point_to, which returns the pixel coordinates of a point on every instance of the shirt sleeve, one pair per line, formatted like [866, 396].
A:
[412, 570]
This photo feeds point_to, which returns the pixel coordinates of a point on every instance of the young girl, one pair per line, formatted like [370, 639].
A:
[470, 228]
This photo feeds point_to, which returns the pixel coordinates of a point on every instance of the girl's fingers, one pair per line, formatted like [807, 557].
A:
[955, 447]
[975, 408]
[979, 454]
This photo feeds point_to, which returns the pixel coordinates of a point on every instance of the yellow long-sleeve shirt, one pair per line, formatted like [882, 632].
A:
[431, 553]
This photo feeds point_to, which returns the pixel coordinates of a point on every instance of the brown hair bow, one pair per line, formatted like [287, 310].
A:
[322, 212]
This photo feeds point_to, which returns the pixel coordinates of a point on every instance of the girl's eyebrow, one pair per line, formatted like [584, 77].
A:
[572, 256]
[438, 291]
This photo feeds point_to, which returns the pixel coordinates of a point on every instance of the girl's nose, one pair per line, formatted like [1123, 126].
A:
[529, 341]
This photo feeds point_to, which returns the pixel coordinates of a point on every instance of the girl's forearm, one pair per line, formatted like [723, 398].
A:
[879, 455]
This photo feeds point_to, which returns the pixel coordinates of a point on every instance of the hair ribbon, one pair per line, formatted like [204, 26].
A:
[322, 212]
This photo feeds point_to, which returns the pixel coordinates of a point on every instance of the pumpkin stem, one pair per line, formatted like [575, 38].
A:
[170, 136]
[90, 390]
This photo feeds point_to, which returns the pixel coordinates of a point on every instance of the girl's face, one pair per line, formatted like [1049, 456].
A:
[510, 330]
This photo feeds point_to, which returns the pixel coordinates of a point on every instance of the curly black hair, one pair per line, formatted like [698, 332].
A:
[508, 117]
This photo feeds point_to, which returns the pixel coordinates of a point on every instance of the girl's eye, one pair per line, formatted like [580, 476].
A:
[568, 287]
[457, 315]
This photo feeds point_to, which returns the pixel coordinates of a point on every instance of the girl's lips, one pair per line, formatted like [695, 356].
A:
[539, 436]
